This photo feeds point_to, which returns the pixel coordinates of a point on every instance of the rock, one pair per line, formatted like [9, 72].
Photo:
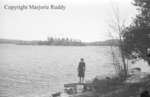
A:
[64, 95]
[56, 94]
[134, 71]
[137, 77]
[108, 78]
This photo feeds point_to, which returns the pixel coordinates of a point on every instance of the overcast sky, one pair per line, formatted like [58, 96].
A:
[86, 20]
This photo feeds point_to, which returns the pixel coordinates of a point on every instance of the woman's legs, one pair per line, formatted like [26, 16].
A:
[80, 79]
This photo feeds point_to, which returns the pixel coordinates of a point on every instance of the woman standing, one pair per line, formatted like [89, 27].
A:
[81, 70]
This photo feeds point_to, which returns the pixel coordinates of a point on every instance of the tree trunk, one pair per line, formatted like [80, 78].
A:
[125, 67]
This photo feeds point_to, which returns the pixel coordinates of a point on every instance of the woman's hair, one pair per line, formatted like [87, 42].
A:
[81, 59]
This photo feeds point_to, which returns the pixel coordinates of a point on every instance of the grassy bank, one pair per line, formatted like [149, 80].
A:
[114, 87]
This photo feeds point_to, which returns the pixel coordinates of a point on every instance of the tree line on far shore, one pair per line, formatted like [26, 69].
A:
[60, 42]
[48, 41]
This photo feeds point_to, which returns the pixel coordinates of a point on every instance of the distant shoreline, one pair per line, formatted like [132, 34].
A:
[112, 42]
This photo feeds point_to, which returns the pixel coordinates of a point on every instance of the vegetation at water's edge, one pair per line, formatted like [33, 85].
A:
[134, 44]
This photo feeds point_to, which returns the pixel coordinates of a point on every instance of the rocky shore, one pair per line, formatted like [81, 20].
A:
[113, 87]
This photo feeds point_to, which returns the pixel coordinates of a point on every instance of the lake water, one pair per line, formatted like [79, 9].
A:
[33, 71]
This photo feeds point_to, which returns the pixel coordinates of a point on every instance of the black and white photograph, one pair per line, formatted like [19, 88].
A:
[74, 48]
